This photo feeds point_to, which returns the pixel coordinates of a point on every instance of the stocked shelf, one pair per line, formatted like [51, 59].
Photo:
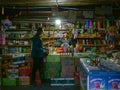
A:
[51, 38]
[91, 37]
[19, 45]
[18, 38]
[93, 45]
[16, 30]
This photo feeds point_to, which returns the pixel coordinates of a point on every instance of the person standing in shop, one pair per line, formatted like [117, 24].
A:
[65, 41]
[38, 53]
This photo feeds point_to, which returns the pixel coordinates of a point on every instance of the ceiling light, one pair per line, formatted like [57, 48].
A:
[57, 22]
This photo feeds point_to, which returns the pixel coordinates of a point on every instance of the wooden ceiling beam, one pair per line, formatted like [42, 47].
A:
[53, 2]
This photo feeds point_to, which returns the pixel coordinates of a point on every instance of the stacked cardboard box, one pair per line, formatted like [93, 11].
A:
[9, 81]
[67, 67]
[11, 76]
[24, 74]
[52, 70]
[24, 80]
[15, 70]
[18, 59]
[52, 67]
[9, 73]
[67, 72]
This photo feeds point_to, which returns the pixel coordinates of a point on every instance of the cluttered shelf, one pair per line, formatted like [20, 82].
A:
[15, 30]
[18, 38]
[29, 45]
[90, 37]
[29, 29]
[94, 45]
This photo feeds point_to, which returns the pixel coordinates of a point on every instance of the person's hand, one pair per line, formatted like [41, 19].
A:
[46, 52]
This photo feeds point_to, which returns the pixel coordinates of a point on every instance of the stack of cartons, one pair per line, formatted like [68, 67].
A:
[67, 67]
[52, 67]
[9, 72]
[67, 72]
[12, 76]
[24, 74]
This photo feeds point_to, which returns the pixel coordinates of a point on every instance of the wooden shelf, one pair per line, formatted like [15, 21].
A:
[90, 37]
[50, 38]
[28, 29]
[19, 45]
[55, 30]
[18, 38]
[18, 30]
[93, 45]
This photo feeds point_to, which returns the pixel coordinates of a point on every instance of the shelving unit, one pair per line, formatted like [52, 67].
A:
[19, 37]
[18, 41]
[91, 44]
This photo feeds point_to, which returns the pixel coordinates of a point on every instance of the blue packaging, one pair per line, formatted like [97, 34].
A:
[114, 82]
[97, 83]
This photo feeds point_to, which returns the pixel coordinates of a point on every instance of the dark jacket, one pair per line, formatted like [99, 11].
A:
[37, 47]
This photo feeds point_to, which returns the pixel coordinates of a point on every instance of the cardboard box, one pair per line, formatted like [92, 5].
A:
[18, 59]
[13, 71]
[67, 61]
[53, 58]
[24, 80]
[52, 74]
[54, 65]
[67, 75]
[68, 69]
[9, 82]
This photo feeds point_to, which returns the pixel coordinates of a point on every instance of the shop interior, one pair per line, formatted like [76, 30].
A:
[89, 61]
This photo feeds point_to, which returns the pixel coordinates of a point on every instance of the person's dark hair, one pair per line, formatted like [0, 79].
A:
[39, 31]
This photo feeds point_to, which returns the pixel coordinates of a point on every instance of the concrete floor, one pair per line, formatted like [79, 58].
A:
[42, 87]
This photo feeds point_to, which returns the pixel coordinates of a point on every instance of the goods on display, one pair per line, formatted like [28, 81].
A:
[84, 62]
[99, 76]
